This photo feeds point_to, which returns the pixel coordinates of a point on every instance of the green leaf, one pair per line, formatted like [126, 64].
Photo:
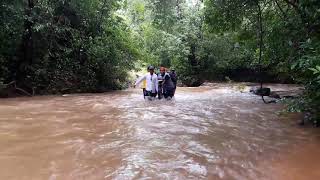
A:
[313, 70]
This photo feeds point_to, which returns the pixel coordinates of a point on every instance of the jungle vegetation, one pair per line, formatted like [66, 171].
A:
[54, 46]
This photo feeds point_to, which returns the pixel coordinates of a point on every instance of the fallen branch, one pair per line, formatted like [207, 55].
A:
[25, 92]
[12, 86]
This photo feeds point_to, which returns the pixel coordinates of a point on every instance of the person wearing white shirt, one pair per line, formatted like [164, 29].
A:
[152, 82]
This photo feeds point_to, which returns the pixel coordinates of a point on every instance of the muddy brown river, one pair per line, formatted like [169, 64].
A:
[210, 132]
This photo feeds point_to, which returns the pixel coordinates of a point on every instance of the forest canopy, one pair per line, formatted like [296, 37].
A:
[53, 46]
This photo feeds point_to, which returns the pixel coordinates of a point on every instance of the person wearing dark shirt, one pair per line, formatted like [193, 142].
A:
[174, 79]
[166, 83]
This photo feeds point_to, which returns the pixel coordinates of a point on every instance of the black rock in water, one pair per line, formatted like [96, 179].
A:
[261, 91]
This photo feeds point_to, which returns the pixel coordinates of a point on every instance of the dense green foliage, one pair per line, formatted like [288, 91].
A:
[64, 45]
[209, 40]
[291, 32]
[90, 45]
[286, 32]
[275, 41]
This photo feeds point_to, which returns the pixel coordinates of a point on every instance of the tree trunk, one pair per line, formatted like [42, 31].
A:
[27, 38]
[260, 42]
[26, 47]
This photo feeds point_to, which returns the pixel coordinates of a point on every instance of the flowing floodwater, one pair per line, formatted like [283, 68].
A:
[212, 132]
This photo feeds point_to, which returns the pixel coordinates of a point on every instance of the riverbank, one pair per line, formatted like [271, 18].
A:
[283, 90]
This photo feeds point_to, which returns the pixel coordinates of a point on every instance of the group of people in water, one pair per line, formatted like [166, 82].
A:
[163, 84]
